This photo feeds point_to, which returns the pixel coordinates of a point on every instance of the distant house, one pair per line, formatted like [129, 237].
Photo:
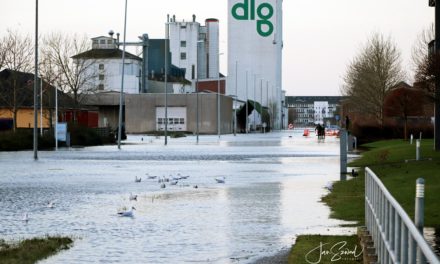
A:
[311, 110]
[17, 103]
[104, 63]
[105, 70]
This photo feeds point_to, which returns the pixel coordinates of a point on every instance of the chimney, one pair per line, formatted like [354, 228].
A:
[194, 18]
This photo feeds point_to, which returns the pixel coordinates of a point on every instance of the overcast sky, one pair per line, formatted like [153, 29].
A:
[320, 36]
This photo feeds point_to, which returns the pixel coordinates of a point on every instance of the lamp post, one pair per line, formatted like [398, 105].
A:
[197, 112]
[218, 97]
[437, 78]
[121, 96]
[235, 99]
[247, 110]
[197, 91]
[56, 118]
[166, 80]
[255, 100]
[267, 103]
[36, 84]
[41, 106]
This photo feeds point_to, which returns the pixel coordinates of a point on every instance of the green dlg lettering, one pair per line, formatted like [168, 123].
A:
[264, 20]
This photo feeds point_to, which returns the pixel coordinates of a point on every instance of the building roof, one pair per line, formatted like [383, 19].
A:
[105, 54]
[25, 91]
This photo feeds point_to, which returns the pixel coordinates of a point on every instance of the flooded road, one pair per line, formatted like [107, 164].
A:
[273, 184]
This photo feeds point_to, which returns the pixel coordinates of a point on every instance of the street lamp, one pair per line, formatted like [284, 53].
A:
[218, 97]
[197, 95]
[437, 79]
[121, 96]
[236, 94]
[36, 83]
[247, 110]
[166, 78]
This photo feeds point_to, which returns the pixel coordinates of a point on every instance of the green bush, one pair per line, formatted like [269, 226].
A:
[83, 136]
[23, 139]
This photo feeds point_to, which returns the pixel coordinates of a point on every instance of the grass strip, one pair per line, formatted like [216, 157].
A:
[388, 159]
[32, 250]
[314, 249]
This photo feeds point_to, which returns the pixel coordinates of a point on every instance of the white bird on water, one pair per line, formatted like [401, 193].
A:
[133, 197]
[329, 186]
[136, 179]
[25, 217]
[220, 179]
[51, 205]
[127, 213]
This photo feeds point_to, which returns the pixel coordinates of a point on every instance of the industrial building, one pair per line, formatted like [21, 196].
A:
[195, 48]
[255, 42]
[145, 113]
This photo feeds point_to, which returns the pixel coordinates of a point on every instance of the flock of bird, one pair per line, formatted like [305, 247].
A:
[50, 205]
[163, 181]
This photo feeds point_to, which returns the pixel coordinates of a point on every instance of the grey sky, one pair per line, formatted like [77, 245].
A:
[320, 36]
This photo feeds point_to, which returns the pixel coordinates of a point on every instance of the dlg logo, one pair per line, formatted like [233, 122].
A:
[264, 12]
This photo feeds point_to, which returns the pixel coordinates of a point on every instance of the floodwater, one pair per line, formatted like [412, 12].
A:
[273, 184]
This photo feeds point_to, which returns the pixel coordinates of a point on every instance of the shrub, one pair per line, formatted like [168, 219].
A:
[23, 139]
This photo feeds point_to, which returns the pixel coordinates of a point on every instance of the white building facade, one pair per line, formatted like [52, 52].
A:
[195, 48]
[255, 42]
[104, 67]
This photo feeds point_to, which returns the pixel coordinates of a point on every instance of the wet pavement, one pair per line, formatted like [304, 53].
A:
[273, 184]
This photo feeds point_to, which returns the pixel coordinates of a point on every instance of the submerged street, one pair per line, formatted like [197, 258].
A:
[273, 184]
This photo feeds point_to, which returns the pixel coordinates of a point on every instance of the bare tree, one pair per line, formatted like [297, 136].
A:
[17, 57]
[426, 65]
[76, 77]
[371, 75]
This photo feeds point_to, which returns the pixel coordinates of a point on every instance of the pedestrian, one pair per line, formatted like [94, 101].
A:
[347, 123]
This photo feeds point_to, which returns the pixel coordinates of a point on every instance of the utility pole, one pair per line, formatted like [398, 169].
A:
[166, 78]
[121, 96]
[437, 78]
[36, 84]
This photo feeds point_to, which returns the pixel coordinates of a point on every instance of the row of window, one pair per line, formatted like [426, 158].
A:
[102, 41]
[171, 121]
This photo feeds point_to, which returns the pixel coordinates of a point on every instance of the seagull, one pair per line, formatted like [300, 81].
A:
[51, 204]
[329, 186]
[151, 177]
[133, 197]
[25, 217]
[220, 179]
[163, 186]
[174, 182]
[136, 179]
[127, 213]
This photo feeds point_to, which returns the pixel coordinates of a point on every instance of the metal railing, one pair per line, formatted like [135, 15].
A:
[396, 238]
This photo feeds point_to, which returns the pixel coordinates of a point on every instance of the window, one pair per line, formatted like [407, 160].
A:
[101, 87]
[109, 41]
[183, 43]
[101, 66]
[183, 55]
[182, 121]
[101, 77]
[102, 41]
[95, 41]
